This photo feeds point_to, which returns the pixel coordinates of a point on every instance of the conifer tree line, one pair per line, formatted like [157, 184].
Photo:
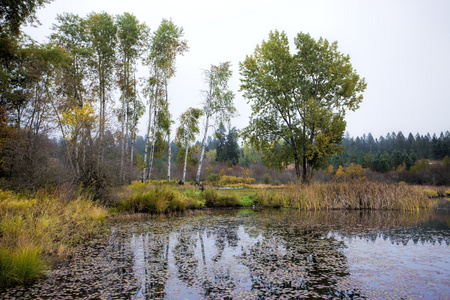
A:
[391, 151]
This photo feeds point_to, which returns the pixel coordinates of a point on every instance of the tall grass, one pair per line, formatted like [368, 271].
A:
[213, 199]
[36, 229]
[148, 198]
[356, 194]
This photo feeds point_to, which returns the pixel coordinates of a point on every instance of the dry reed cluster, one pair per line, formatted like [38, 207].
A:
[355, 194]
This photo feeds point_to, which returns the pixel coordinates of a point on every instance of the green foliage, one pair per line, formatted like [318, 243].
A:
[213, 177]
[266, 178]
[298, 100]
[228, 149]
[230, 180]
[380, 163]
[420, 165]
[246, 201]
[15, 13]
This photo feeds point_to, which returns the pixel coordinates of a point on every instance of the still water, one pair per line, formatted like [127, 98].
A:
[260, 254]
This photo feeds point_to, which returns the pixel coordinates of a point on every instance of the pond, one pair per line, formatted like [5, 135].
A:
[260, 254]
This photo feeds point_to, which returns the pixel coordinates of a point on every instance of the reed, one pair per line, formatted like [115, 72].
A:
[36, 229]
[355, 194]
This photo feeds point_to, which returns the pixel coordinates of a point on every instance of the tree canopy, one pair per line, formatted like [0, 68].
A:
[298, 100]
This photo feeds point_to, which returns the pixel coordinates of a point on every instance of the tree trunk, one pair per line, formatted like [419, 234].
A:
[305, 178]
[122, 146]
[197, 178]
[168, 157]
[185, 163]
[152, 150]
[144, 175]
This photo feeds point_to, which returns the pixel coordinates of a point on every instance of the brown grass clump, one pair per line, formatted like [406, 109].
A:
[356, 194]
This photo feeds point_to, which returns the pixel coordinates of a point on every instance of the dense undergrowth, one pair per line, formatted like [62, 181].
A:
[37, 229]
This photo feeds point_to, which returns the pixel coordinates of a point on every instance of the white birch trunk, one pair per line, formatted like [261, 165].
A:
[197, 178]
[144, 175]
[185, 163]
[169, 158]
[122, 146]
[152, 150]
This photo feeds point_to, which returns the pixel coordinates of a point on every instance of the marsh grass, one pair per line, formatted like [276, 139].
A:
[150, 198]
[40, 228]
[356, 194]
[214, 199]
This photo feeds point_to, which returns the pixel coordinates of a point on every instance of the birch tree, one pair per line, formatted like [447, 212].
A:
[218, 103]
[189, 127]
[166, 44]
[102, 36]
[71, 35]
[132, 37]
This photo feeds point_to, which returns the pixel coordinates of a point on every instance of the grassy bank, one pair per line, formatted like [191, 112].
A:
[36, 230]
[357, 194]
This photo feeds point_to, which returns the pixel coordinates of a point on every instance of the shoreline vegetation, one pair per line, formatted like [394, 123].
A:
[38, 230]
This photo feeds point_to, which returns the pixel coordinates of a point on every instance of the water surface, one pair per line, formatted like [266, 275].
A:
[260, 254]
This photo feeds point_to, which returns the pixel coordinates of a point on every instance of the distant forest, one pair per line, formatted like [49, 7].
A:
[384, 153]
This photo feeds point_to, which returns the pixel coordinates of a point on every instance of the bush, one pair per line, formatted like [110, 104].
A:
[213, 177]
[225, 179]
[266, 179]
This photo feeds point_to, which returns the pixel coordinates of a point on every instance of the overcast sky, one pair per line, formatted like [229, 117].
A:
[401, 48]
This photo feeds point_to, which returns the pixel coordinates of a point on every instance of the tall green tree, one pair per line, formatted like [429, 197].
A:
[102, 36]
[132, 40]
[70, 33]
[228, 148]
[186, 132]
[13, 14]
[167, 42]
[298, 100]
[218, 103]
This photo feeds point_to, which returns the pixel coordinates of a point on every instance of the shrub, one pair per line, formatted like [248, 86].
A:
[420, 165]
[266, 179]
[213, 177]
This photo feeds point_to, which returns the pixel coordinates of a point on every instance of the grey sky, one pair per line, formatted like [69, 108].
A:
[402, 48]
